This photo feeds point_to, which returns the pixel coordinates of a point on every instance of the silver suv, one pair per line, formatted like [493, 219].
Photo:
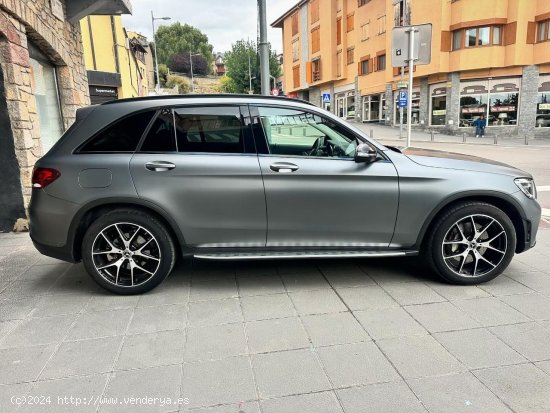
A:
[134, 184]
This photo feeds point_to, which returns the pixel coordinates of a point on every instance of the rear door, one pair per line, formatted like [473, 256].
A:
[200, 165]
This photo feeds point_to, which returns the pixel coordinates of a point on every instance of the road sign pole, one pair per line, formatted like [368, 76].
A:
[411, 69]
[401, 108]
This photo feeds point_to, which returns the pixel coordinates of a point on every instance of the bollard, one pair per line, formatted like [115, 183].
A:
[290, 129]
[432, 135]
[464, 137]
[303, 131]
[496, 139]
[526, 139]
[372, 134]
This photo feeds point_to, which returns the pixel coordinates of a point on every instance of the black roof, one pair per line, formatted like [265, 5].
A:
[204, 95]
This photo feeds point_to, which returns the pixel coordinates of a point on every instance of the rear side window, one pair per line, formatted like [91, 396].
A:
[123, 136]
[161, 137]
[209, 129]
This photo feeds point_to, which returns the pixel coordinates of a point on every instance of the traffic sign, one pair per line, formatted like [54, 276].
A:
[326, 97]
[422, 51]
[275, 92]
[402, 100]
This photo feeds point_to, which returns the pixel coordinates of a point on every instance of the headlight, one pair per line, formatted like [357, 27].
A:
[527, 186]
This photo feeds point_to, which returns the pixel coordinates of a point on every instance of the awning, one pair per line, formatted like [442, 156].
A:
[77, 9]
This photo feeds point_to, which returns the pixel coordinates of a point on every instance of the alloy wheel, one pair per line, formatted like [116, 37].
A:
[126, 254]
[474, 245]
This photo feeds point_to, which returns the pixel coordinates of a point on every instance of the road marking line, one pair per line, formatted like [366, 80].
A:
[544, 188]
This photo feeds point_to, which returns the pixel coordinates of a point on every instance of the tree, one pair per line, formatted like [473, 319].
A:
[180, 63]
[163, 74]
[237, 64]
[227, 85]
[177, 38]
[179, 81]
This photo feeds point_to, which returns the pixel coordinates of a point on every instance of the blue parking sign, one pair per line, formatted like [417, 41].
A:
[402, 100]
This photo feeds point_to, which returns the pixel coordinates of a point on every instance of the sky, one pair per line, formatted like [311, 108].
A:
[223, 21]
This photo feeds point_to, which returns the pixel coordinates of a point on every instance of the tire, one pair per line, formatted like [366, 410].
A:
[460, 254]
[133, 266]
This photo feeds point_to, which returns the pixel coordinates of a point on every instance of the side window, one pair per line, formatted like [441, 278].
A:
[292, 132]
[209, 129]
[123, 136]
[161, 137]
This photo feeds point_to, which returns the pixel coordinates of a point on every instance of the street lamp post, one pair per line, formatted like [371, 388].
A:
[191, 63]
[153, 18]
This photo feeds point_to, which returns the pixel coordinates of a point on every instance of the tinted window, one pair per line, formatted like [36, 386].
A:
[123, 136]
[294, 132]
[160, 137]
[209, 129]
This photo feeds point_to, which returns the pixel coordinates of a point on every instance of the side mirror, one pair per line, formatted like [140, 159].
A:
[365, 153]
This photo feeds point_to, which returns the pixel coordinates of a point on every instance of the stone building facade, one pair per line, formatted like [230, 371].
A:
[42, 83]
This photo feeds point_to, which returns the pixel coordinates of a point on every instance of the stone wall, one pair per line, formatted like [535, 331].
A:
[527, 101]
[21, 22]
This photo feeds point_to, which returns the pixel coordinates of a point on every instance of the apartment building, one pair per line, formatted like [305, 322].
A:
[115, 59]
[488, 57]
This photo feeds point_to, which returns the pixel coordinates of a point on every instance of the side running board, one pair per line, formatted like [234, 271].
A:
[302, 254]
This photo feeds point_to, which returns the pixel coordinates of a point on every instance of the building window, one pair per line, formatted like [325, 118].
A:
[316, 70]
[543, 31]
[477, 36]
[296, 76]
[496, 99]
[350, 55]
[294, 24]
[365, 67]
[381, 63]
[339, 31]
[339, 63]
[295, 50]
[399, 9]
[44, 88]
[362, 2]
[438, 104]
[350, 22]
[543, 103]
[314, 7]
[382, 24]
[315, 40]
[365, 31]
[373, 108]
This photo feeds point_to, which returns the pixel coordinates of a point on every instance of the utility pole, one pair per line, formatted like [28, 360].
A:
[192, 80]
[153, 18]
[263, 48]
[250, 90]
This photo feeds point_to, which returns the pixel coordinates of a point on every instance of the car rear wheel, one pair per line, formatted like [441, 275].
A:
[472, 243]
[128, 251]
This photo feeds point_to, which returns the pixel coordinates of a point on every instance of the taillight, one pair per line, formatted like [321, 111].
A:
[42, 177]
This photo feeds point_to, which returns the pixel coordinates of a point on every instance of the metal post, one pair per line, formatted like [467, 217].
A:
[263, 48]
[526, 139]
[409, 97]
[250, 91]
[192, 79]
[157, 86]
[432, 135]
[372, 134]
[496, 139]
[464, 137]
[401, 108]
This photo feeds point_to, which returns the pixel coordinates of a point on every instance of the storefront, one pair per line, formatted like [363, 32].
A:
[543, 103]
[438, 104]
[373, 108]
[345, 104]
[496, 99]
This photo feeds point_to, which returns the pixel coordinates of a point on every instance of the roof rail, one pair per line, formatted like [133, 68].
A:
[204, 95]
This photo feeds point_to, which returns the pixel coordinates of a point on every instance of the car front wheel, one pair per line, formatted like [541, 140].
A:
[472, 243]
[128, 251]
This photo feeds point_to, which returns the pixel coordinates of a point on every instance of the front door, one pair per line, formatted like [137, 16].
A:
[316, 194]
[199, 164]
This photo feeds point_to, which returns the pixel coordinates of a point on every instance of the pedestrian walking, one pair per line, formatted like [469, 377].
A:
[479, 123]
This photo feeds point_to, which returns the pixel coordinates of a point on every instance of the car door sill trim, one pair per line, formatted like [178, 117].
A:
[303, 254]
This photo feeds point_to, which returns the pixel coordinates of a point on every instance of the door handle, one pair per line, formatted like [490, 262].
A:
[283, 167]
[159, 166]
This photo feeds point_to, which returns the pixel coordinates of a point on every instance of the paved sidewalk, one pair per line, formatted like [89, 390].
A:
[389, 133]
[311, 336]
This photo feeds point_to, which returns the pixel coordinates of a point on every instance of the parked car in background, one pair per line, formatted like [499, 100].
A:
[134, 184]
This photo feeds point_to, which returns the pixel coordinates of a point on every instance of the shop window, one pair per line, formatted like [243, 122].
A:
[350, 23]
[415, 103]
[316, 40]
[373, 108]
[314, 7]
[438, 105]
[44, 88]
[382, 24]
[543, 31]
[496, 99]
[365, 32]
[350, 55]
[339, 31]
[294, 24]
[543, 103]
[123, 136]
[477, 37]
